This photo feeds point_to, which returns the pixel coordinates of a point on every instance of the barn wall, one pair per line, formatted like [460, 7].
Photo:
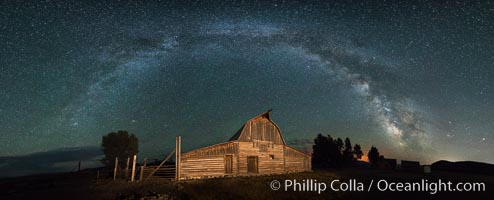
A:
[218, 149]
[296, 161]
[262, 129]
[208, 161]
[203, 167]
[263, 150]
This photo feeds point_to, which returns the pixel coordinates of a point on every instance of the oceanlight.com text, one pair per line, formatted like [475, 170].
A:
[353, 185]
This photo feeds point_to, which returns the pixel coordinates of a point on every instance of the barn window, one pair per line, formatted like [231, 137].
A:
[271, 156]
[263, 148]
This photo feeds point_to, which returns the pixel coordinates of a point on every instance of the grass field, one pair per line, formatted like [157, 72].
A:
[84, 186]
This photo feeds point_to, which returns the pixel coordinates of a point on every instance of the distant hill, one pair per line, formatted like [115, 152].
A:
[464, 166]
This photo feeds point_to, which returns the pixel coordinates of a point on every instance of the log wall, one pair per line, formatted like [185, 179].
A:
[208, 161]
[296, 161]
[270, 157]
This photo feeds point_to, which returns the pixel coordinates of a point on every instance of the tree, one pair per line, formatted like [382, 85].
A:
[119, 144]
[373, 155]
[334, 152]
[347, 152]
[320, 150]
[325, 152]
[329, 152]
[348, 145]
[339, 144]
[357, 150]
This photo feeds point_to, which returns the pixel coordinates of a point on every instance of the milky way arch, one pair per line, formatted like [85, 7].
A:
[399, 119]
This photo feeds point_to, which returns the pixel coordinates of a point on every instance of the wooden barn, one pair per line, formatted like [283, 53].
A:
[258, 148]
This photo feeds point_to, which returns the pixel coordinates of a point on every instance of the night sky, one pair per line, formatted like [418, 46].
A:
[413, 79]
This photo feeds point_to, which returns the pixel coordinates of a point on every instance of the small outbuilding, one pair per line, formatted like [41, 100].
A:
[386, 164]
[410, 165]
[258, 148]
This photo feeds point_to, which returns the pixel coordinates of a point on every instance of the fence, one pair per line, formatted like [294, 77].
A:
[166, 170]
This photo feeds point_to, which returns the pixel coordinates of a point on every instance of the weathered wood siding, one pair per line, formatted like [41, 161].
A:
[208, 161]
[270, 157]
[260, 128]
[296, 161]
[258, 141]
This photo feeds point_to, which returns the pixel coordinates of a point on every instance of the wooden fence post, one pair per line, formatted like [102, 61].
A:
[97, 176]
[145, 162]
[115, 169]
[127, 167]
[177, 158]
[133, 168]
[141, 175]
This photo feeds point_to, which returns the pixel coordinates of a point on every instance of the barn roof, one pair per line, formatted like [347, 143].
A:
[265, 115]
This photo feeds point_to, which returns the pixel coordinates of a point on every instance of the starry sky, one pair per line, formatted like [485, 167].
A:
[414, 79]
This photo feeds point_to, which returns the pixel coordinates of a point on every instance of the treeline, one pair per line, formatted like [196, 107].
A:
[328, 152]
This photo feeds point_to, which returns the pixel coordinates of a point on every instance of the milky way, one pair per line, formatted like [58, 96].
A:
[412, 79]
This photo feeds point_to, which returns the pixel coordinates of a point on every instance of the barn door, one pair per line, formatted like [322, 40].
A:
[228, 164]
[252, 164]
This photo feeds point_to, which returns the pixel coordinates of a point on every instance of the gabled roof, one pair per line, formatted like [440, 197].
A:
[265, 115]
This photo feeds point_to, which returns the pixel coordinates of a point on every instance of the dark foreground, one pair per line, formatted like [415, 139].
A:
[83, 185]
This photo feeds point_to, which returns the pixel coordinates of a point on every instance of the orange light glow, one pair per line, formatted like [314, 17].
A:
[364, 158]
